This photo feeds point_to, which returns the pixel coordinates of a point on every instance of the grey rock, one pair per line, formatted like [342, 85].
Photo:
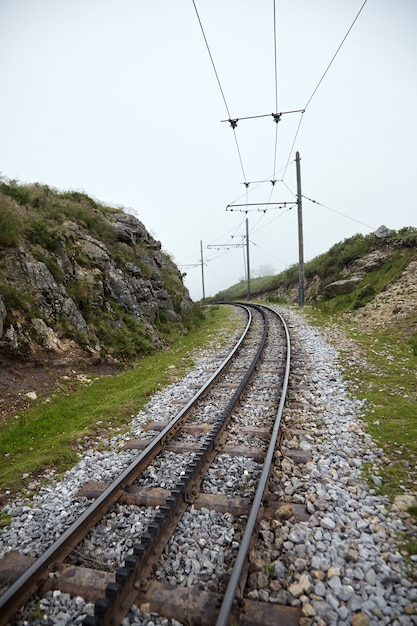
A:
[382, 232]
[80, 279]
[340, 287]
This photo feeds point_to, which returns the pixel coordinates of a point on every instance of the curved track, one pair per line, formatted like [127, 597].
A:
[209, 419]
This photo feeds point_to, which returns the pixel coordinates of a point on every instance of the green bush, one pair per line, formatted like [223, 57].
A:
[14, 298]
[54, 267]
[363, 295]
[20, 193]
[79, 291]
[40, 232]
[123, 339]
[10, 224]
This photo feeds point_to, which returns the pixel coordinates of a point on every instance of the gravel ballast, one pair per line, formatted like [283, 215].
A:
[344, 565]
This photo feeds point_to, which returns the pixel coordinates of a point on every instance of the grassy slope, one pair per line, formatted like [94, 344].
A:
[52, 434]
[330, 267]
[41, 219]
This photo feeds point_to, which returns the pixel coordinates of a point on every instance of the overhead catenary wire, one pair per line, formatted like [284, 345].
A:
[260, 222]
[271, 205]
[320, 82]
[258, 183]
[349, 217]
[335, 55]
[220, 86]
[253, 243]
[208, 259]
[277, 216]
[275, 59]
[276, 117]
[289, 161]
[233, 121]
[276, 87]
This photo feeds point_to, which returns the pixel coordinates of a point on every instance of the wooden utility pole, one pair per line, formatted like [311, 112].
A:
[300, 234]
[202, 270]
[248, 294]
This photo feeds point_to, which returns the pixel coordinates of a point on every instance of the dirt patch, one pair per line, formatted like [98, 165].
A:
[23, 382]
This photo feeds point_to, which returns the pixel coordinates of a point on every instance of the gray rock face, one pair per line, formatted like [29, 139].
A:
[341, 286]
[86, 284]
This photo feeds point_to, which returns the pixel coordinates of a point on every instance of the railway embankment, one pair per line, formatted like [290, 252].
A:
[346, 563]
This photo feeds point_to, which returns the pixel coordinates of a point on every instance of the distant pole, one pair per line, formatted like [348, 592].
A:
[300, 235]
[202, 270]
[245, 269]
[248, 295]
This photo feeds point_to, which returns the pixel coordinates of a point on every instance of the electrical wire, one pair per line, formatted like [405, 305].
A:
[321, 80]
[302, 111]
[335, 55]
[267, 252]
[220, 87]
[276, 86]
[292, 146]
[211, 59]
[274, 219]
[275, 60]
[340, 213]
[259, 183]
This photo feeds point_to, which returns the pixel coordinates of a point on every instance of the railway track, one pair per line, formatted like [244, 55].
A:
[216, 475]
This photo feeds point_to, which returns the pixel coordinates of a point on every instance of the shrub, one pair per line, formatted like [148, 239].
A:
[20, 193]
[40, 232]
[10, 225]
[14, 298]
[54, 267]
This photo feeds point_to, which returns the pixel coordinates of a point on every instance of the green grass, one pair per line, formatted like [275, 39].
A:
[10, 227]
[330, 266]
[374, 282]
[388, 383]
[50, 227]
[51, 434]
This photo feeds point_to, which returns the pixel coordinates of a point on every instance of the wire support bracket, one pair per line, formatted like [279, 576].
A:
[276, 117]
[220, 246]
[258, 182]
[271, 205]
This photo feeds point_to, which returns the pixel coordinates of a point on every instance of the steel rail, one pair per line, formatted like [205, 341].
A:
[230, 593]
[118, 598]
[28, 583]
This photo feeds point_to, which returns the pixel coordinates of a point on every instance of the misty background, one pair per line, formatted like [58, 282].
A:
[125, 101]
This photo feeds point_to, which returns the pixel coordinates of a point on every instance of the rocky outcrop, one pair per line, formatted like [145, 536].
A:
[354, 268]
[382, 232]
[106, 291]
[339, 287]
[396, 304]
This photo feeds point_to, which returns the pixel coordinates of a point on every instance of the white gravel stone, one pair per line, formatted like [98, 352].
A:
[351, 533]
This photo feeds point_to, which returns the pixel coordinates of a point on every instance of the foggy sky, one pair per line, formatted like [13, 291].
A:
[119, 99]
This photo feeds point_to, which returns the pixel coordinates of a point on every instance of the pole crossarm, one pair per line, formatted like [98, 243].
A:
[276, 117]
[226, 245]
[271, 205]
[258, 182]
